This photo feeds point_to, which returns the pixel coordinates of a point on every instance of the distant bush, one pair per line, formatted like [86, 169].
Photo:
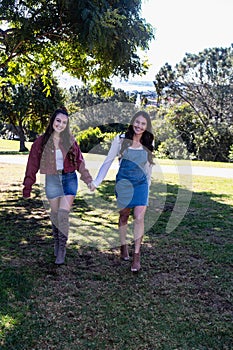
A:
[172, 149]
[230, 155]
[94, 141]
[89, 138]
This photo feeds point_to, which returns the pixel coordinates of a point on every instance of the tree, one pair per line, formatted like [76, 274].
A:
[84, 97]
[205, 82]
[92, 40]
[180, 123]
[28, 108]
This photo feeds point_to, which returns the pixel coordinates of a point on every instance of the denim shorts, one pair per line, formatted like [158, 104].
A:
[60, 185]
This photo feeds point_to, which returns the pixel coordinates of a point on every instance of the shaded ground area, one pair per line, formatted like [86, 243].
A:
[182, 298]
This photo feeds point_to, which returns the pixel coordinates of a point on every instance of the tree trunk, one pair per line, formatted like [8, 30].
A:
[22, 147]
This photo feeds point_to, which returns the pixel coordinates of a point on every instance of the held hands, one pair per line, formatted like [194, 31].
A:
[91, 186]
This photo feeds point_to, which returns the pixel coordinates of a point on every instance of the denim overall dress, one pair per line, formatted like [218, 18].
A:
[132, 187]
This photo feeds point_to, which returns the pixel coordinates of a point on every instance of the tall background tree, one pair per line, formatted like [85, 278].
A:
[205, 82]
[26, 108]
[92, 40]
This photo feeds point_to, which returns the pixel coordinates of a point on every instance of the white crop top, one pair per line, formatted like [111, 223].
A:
[59, 159]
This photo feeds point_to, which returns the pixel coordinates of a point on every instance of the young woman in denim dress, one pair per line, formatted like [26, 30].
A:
[57, 155]
[134, 149]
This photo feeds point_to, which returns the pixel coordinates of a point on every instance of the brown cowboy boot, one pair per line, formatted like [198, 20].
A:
[135, 267]
[53, 218]
[124, 252]
[63, 227]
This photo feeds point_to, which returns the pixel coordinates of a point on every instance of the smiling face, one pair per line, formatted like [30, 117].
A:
[139, 125]
[60, 123]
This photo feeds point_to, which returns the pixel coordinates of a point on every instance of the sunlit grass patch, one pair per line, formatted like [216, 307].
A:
[11, 145]
[181, 298]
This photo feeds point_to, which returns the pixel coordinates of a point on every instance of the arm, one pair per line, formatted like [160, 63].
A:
[148, 173]
[84, 172]
[149, 169]
[113, 152]
[33, 165]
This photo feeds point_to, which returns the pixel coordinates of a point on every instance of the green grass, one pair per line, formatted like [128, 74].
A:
[11, 146]
[181, 299]
[197, 163]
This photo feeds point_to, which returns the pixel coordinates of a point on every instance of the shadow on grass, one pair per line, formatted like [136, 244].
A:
[181, 299]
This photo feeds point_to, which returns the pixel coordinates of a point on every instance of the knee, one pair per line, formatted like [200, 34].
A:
[139, 218]
[124, 216]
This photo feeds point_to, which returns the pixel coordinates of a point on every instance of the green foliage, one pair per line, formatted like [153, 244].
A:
[84, 97]
[169, 140]
[106, 143]
[179, 122]
[91, 40]
[205, 82]
[230, 156]
[172, 149]
[90, 138]
[28, 107]
[97, 111]
[94, 140]
[184, 120]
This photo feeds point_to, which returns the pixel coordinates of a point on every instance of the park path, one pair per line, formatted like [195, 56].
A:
[166, 169]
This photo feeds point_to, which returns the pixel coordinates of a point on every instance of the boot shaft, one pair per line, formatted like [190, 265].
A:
[63, 233]
[63, 222]
[54, 221]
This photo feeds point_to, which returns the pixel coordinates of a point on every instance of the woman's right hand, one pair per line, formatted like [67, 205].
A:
[91, 186]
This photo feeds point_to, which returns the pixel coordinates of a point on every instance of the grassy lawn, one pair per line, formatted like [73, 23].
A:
[12, 147]
[181, 299]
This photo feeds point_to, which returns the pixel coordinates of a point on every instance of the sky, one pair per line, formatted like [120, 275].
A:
[186, 26]
[182, 26]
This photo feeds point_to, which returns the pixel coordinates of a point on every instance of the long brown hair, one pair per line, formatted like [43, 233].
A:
[66, 137]
[146, 139]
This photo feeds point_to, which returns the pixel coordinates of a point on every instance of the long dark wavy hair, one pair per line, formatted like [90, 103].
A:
[65, 135]
[146, 139]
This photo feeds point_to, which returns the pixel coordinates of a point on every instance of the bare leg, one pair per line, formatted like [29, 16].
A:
[123, 225]
[61, 203]
[54, 204]
[139, 214]
[66, 202]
